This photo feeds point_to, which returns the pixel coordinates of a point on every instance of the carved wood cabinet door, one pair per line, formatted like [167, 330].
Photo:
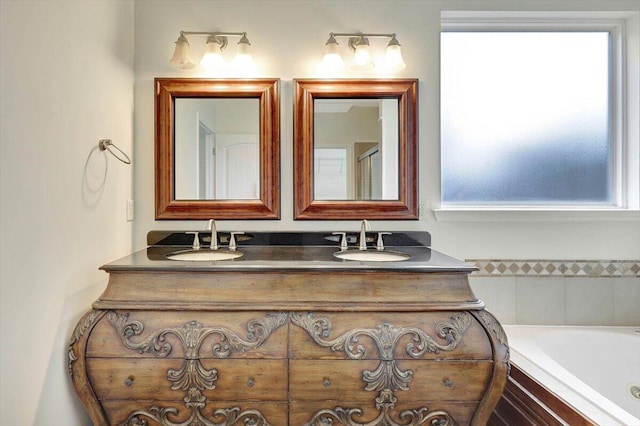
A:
[387, 369]
[188, 368]
[255, 368]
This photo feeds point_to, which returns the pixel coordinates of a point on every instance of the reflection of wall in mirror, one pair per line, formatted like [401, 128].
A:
[330, 173]
[389, 157]
[213, 117]
[342, 131]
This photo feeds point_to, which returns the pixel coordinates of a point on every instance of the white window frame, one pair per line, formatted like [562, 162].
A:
[624, 110]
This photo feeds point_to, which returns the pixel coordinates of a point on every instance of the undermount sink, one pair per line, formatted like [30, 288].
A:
[204, 255]
[372, 255]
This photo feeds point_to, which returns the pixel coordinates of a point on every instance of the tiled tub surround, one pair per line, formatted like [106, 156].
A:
[559, 292]
[557, 268]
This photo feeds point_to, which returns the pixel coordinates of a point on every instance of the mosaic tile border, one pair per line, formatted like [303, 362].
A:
[556, 268]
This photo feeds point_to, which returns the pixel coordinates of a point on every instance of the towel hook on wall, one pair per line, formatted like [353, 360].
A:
[106, 144]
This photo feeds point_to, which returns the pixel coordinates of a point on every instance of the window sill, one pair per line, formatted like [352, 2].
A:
[535, 215]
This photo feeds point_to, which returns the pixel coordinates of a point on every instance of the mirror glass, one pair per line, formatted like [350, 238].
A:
[355, 149]
[217, 148]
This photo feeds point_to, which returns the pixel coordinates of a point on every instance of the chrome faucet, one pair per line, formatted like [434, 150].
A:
[214, 234]
[232, 240]
[364, 227]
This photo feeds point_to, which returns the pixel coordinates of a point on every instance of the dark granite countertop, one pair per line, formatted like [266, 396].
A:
[288, 251]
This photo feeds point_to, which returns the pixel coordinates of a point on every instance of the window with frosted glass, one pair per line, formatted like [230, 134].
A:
[525, 118]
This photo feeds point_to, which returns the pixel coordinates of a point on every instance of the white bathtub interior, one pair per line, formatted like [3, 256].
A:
[591, 368]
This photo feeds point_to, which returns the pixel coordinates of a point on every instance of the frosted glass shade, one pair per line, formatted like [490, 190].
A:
[393, 59]
[182, 54]
[332, 60]
[243, 61]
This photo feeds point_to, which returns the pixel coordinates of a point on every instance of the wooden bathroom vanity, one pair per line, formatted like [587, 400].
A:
[288, 334]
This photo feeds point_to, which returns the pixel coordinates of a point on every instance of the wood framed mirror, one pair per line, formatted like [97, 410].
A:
[355, 149]
[217, 148]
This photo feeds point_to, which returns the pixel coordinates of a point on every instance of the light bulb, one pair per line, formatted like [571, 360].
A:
[332, 60]
[393, 58]
[362, 60]
[212, 58]
[243, 61]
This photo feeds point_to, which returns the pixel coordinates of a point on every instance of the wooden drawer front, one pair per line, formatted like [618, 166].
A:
[240, 379]
[302, 412]
[473, 343]
[274, 412]
[205, 290]
[341, 380]
[177, 329]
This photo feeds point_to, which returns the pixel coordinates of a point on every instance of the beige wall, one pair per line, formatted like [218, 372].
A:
[66, 82]
[287, 38]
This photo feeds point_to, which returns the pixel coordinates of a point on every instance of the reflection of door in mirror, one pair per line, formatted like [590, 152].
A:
[237, 167]
[217, 148]
[206, 165]
[356, 126]
[368, 172]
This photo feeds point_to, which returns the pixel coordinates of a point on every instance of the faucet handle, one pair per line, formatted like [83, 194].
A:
[343, 240]
[380, 243]
[196, 240]
[232, 240]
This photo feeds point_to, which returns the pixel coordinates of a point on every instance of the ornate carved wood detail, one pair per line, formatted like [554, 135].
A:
[416, 417]
[494, 325]
[192, 335]
[221, 417]
[385, 335]
[86, 322]
[501, 366]
[193, 377]
[388, 377]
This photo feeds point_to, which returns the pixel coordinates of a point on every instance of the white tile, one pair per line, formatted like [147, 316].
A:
[540, 300]
[589, 301]
[626, 301]
[498, 294]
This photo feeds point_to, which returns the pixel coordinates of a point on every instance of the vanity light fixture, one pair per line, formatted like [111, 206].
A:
[362, 59]
[212, 58]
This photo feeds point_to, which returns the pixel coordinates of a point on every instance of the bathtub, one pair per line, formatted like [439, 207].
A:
[590, 368]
